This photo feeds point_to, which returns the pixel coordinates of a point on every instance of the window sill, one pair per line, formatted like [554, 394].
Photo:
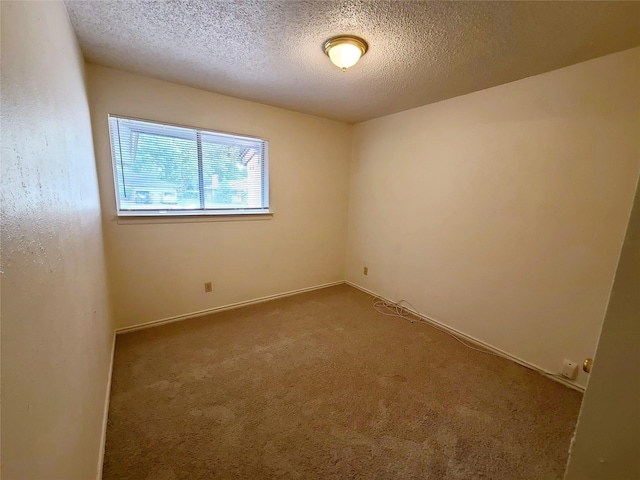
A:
[139, 218]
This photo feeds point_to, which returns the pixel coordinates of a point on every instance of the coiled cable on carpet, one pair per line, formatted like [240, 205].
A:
[411, 314]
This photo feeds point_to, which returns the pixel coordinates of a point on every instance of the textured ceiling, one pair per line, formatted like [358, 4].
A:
[419, 52]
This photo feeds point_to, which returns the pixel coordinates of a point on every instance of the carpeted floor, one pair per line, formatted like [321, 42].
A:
[321, 386]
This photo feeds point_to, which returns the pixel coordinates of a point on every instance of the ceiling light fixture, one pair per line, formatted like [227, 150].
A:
[345, 50]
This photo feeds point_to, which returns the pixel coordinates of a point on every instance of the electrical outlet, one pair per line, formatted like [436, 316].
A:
[366, 270]
[207, 287]
[569, 369]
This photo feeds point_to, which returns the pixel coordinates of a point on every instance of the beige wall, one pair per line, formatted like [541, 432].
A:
[606, 444]
[157, 270]
[501, 213]
[56, 330]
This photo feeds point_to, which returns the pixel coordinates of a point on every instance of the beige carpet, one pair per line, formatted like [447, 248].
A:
[321, 386]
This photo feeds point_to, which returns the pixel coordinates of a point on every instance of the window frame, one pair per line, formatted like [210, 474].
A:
[202, 213]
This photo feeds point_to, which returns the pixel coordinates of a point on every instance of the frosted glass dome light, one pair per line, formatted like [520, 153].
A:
[345, 51]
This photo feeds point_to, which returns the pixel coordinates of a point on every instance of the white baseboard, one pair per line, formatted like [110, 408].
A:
[105, 415]
[480, 343]
[178, 318]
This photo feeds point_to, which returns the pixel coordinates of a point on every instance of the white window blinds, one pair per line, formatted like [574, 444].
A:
[168, 170]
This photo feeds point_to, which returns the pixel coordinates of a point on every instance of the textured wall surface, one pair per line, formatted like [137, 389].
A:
[420, 52]
[607, 439]
[56, 330]
[501, 213]
[158, 269]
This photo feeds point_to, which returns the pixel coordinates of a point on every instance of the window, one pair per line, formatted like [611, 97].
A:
[168, 170]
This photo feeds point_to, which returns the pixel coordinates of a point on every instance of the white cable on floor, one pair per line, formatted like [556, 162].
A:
[386, 307]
